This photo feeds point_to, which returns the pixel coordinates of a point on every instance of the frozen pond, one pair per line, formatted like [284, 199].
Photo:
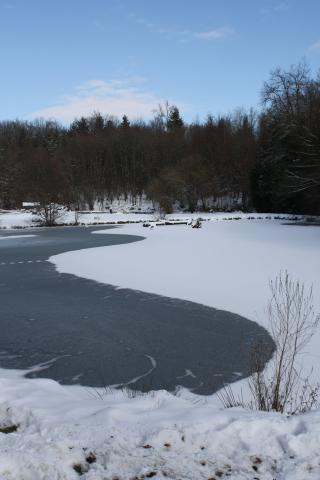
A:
[78, 331]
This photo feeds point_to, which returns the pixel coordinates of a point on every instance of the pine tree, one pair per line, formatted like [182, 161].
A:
[174, 119]
[125, 122]
[80, 126]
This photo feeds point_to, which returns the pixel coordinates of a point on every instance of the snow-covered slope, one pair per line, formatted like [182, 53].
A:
[66, 430]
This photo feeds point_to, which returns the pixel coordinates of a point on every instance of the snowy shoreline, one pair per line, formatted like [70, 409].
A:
[19, 219]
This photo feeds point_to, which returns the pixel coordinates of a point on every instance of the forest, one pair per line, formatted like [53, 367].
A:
[266, 160]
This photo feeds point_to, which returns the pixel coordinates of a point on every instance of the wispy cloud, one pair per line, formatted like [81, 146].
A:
[275, 8]
[165, 31]
[281, 7]
[182, 35]
[315, 47]
[213, 34]
[115, 97]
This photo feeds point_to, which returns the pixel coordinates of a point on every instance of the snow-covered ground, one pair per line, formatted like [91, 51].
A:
[157, 436]
[110, 435]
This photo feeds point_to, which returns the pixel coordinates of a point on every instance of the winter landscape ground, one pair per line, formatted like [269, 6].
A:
[63, 432]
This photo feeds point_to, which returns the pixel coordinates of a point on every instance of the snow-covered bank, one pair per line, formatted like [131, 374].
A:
[66, 431]
[16, 219]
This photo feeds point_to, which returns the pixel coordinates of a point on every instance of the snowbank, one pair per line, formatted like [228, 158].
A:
[16, 219]
[23, 219]
[64, 431]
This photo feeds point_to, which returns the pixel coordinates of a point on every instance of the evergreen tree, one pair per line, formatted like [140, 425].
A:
[125, 122]
[174, 120]
[97, 122]
[80, 126]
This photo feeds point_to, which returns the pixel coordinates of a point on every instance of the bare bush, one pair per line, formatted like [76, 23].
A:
[49, 213]
[292, 322]
[230, 399]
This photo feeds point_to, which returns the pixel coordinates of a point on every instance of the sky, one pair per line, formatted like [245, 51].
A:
[63, 59]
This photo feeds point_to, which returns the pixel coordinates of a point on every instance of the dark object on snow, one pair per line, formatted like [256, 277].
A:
[91, 458]
[9, 429]
[197, 224]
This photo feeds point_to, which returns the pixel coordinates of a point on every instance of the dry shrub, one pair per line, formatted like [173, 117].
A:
[292, 322]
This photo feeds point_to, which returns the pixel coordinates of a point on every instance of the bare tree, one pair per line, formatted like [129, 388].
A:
[285, 92]
[49, 213]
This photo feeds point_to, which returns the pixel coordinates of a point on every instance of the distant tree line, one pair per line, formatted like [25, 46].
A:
[268, 161]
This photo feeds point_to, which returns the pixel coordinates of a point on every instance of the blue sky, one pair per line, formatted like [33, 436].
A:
[67, 58]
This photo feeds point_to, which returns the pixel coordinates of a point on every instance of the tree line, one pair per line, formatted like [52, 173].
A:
[268, 161]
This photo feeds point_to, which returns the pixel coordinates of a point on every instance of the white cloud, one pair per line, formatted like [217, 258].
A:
[113, 97]
[277, 8]
[168, 32]
[213, 34]
[182, 35]
[315, 46]
[281, 7]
